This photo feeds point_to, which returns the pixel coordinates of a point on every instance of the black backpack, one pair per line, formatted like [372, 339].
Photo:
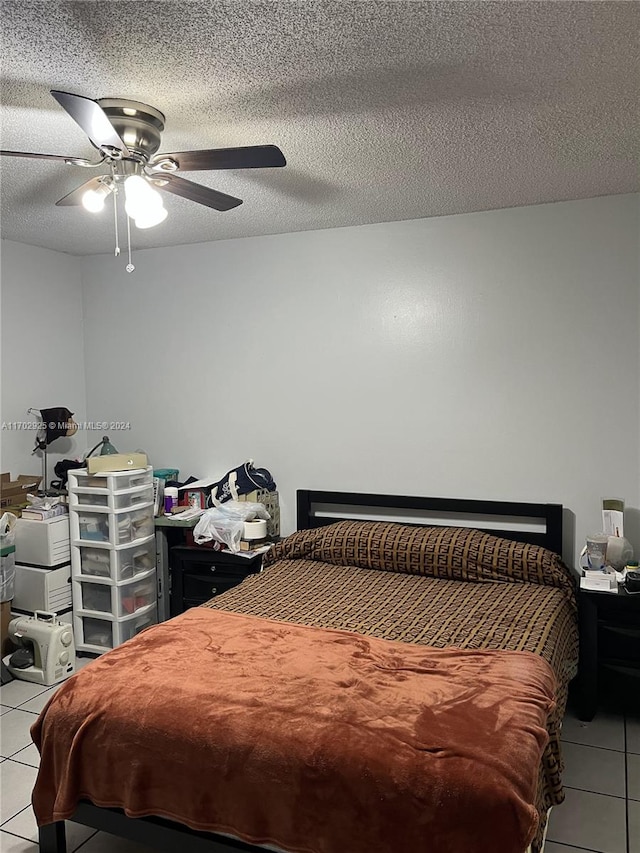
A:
[240, 481]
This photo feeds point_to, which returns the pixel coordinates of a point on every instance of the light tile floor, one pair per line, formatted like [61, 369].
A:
[601, 812]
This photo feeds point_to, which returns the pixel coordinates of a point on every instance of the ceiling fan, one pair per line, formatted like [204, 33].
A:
[127, 134]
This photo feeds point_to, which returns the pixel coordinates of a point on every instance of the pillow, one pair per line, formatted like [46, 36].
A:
[455, 553]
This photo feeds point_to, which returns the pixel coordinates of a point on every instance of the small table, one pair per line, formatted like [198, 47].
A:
[609, 625]
[169, 531]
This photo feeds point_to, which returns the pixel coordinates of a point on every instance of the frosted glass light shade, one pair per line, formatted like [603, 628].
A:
[151, 217]
[93, 200]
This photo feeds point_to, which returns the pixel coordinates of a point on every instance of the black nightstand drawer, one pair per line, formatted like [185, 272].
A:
[198, 574]
[204, 587]
[207, 556]
[210, 569]
[621, 642]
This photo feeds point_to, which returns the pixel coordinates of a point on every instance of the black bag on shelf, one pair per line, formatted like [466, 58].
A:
[240, 481]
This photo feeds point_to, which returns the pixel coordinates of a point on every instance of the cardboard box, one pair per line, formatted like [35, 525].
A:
[14, 492]
[116, 462]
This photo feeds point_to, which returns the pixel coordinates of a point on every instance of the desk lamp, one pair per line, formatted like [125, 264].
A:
[55, 423]
[106, 448]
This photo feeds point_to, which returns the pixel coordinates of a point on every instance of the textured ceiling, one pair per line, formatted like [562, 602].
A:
[384, 110]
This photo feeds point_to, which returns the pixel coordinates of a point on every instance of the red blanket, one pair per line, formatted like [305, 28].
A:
[314, 740]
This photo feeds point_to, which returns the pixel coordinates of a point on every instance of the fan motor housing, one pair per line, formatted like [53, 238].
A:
[139, 125]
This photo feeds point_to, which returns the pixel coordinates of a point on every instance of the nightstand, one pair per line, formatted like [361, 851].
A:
[199, 574]
[609, 626]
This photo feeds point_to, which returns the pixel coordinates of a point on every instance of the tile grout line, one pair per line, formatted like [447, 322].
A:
[22, 763]
[21, 837]
[19, 812]
[15, 834]
[592, 746]
[11, 818]
[20, 708]
[597, 794]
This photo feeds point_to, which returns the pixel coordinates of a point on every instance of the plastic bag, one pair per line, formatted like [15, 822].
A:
[225, 523]
[7, 556]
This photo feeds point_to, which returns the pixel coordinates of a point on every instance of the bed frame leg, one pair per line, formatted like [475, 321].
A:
[52, 838]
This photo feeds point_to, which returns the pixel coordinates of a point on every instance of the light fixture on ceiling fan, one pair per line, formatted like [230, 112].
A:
[127, 134]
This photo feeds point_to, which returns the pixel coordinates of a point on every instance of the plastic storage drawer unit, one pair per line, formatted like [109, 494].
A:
[113, 556]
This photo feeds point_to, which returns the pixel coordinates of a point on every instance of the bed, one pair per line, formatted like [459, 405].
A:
[327, 743]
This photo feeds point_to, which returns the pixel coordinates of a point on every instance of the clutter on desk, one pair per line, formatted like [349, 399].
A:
[240, 481]
[604, 560]
[170, 498]
[42, 507]
[246, 483]
[38, 514]
[226, 523]
[598, 581]
[632, 577]
[185, 513]
[162, 477]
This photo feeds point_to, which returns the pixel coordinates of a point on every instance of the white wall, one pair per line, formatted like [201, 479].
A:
[42, 350]
[490, 355]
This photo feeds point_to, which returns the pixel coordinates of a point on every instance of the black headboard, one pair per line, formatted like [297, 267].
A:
[541, 524]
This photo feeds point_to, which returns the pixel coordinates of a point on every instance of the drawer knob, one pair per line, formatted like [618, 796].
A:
[213, 568]
[214, 590]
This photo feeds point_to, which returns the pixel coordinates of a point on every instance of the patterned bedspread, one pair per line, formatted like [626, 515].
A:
[429, 611]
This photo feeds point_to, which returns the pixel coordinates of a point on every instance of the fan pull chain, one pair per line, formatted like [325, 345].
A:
[115, 221]
[129, 267]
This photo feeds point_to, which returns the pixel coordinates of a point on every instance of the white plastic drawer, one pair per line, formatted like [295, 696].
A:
[95, 596]
[82, 480]
[119, 564]
[94, 527]
[142, 524]
[96, 562]
[132, 479]
[132, 627]
[87, 498]
[136, 595]
[113, 500]
[114, 481]
[117, 528]
[95, 632]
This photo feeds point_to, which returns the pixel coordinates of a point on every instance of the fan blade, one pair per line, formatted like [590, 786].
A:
[92, 119]
[73, 161]
[195, 192]
[75, 196]
[250, 157]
